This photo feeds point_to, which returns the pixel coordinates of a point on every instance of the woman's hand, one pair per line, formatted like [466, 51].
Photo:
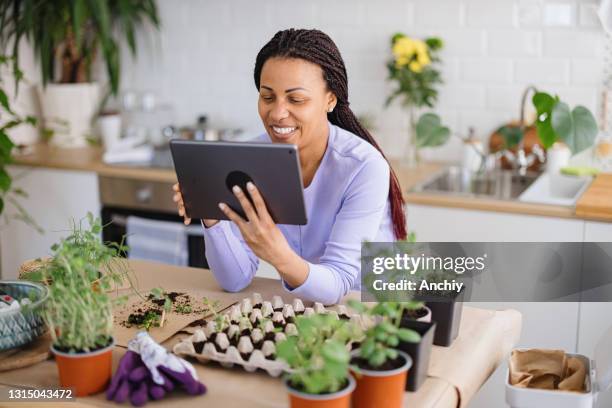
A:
[178, 199]
[258, 230]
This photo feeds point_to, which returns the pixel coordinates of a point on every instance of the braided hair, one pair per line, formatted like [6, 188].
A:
[317, 47]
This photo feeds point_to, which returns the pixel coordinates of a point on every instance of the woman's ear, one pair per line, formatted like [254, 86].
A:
[331, 101]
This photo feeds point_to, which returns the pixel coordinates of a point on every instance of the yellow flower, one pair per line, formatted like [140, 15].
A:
[422, 53]
[404, 47]
[423, 59]
[415, 66]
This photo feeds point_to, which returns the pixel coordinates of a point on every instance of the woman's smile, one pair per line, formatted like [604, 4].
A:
[283, 133]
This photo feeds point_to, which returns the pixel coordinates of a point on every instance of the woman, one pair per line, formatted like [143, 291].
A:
[350, 192]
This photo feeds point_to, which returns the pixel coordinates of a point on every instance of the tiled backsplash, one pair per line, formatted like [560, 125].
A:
[202, 60]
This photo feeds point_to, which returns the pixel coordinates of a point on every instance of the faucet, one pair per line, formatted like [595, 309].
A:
[520, 160]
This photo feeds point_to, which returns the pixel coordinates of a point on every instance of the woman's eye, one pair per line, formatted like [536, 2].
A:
[266, 97]
[296, 100]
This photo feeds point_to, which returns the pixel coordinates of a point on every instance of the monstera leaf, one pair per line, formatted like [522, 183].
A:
[556, 121]
[544, 104]
[430, 132]
[577, 127]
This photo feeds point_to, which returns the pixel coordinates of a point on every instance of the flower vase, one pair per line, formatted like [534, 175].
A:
[411, 157]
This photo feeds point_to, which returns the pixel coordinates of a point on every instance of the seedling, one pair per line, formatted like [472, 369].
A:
[382, 338]
[318, 355]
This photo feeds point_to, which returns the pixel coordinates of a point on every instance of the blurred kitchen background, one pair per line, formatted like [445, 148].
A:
[201, 61]
[194, 78]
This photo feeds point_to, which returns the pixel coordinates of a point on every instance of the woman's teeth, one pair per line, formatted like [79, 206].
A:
[283, 130]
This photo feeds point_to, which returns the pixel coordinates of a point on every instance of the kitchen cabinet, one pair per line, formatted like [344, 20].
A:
[597, 231]
[55, 198]
[455, 225]
[541, 321]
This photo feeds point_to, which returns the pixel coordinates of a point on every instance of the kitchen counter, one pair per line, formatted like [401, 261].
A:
[90, 159]
[455, 374]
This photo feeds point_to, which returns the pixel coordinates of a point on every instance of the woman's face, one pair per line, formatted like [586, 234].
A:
[294, 100]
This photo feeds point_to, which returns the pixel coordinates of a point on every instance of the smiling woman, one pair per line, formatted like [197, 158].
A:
[350, 191]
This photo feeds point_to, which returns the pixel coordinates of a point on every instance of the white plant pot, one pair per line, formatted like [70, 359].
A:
[68, 111]
[24, 103]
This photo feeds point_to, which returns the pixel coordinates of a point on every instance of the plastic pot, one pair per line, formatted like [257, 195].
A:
[381, 388]
[86, 373]
[447, 315]
[420, 352]
[339, 399]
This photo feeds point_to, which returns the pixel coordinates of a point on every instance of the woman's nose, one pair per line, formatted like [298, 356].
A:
[279, 111]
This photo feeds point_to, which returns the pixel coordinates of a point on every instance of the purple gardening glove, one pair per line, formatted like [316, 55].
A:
[165, 371]
[185, 380]
[119, 388]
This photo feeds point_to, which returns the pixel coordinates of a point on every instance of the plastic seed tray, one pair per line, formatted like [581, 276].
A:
[247, 334]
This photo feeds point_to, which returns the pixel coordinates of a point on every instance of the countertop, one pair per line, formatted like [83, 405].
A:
[455, 373]
[90, 159]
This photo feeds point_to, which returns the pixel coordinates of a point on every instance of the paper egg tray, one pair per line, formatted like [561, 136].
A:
[250, 331]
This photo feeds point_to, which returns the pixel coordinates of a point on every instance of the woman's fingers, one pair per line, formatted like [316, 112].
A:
[232, 215]
[246, 204]
[176, 187]
[260, 204]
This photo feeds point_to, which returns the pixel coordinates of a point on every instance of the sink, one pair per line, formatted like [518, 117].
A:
[498, 184]
[557, 189]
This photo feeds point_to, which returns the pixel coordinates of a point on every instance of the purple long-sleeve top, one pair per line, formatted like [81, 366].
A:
[346, 203]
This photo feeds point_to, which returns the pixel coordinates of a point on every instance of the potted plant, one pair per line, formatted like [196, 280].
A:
[446, 310]
[381, 370]
[555, 124]
[79, 307]
[318, 360]
[70, 35]
[413, 68]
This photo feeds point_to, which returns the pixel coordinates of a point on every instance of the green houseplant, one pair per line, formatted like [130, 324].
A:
[382, 367]
[82, 272]
[11, 120]
[413, 67]
[555, 123]
[71, 34]
[319, 361]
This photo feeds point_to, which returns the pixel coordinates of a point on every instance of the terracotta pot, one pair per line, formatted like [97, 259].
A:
[340, 399]
[381, 388]
[85, 373]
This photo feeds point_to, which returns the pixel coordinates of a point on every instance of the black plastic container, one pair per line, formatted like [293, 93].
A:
[420, 352]
[447, 315]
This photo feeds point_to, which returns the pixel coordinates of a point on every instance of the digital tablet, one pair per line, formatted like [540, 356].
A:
[207, 171]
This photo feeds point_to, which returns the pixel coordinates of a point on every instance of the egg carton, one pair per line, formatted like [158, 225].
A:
[248, 332]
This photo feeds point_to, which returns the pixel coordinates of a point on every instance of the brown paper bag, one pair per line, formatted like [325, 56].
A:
[574, 375]
[546, 369]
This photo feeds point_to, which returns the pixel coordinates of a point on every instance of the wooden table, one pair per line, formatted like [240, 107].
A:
[455, 373]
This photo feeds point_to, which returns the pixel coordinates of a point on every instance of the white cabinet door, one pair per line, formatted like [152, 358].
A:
[55, 198]
[597, 231]
[433, 224]
[541, 326]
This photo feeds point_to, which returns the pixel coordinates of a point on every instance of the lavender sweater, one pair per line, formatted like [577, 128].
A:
[346, 203]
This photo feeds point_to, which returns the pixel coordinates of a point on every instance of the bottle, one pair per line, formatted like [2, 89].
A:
[557, 157]
[473, 153]
[200, 129]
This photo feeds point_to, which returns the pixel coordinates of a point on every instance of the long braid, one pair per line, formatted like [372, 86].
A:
[317, 47]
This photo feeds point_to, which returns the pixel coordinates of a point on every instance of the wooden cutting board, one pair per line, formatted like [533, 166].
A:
[596, 202]
[27, 355]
